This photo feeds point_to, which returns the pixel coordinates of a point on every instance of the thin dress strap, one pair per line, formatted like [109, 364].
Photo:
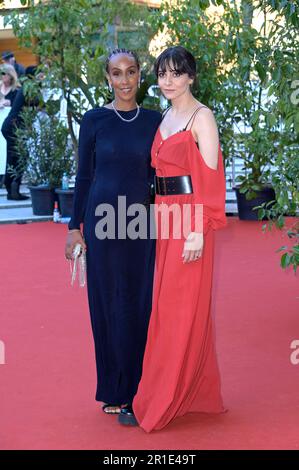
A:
[193, 117]
[165, 112]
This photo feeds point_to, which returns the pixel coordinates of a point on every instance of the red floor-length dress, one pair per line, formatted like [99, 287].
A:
[180, 370]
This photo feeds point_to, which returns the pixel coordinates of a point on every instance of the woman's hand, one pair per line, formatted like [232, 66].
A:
[193, 247]
[6, 102]
[72, 239]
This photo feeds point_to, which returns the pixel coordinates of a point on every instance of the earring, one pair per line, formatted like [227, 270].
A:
[139, 82]
[110, 87]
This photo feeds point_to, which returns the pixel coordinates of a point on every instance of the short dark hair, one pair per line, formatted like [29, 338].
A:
[177, 58]
[122, 51]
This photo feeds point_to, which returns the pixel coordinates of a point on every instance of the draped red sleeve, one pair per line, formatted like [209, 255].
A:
[209, 189]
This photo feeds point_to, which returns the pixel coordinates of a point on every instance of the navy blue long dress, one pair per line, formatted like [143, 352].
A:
[114, 160]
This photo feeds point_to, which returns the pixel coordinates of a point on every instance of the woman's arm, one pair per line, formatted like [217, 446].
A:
[205, 133]
[208, 181]
[208, 171]
[85, 171]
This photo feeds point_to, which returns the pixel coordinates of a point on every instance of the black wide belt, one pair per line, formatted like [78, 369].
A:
[169, 185]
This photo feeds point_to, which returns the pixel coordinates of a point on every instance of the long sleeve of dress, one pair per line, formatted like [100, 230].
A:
[14, 115]
[85, 171]
[209, 189]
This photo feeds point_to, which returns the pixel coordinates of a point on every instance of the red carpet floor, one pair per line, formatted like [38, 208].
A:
[47, 383]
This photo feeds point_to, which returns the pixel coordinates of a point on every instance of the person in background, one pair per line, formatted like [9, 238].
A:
[9, 58]
[13, 120]
[9, 86]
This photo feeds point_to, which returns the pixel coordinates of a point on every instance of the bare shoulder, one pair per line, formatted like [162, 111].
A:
[204, 123]
[204, 114]
[206, 135]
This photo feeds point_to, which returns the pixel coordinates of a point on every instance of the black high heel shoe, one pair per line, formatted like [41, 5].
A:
[127, 417]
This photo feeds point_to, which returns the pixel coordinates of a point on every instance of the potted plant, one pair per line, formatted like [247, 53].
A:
[65, 197]
[46, 154]
[264, 118]
[257, 149]
[234, 64]
[285, 180]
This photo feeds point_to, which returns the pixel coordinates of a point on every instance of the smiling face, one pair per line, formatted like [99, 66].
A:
[172, 83]
[123, 75]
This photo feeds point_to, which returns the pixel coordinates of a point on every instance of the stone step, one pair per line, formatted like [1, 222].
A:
[5, 204]
[21, 211]
[18, 211]
[231, 208]
[21, 215]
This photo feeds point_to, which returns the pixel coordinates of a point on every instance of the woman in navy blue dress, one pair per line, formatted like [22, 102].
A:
[114, 160]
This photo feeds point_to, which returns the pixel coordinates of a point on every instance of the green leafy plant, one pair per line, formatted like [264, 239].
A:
[286, 184]
[72, 39]
[283, 31]
[44, 147]
[245, 74]
[248, 75]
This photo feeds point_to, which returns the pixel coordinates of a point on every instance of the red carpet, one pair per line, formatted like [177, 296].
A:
[47, 383]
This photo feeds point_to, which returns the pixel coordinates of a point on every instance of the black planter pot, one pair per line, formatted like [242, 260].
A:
[43, 199]
[65, 201]
[245, 207]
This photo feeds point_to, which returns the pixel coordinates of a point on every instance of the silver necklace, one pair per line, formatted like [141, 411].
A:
[123, 119]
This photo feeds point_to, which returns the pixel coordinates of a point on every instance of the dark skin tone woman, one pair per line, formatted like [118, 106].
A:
[113, 129]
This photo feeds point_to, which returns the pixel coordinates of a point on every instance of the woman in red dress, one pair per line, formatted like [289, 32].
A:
[180, 370]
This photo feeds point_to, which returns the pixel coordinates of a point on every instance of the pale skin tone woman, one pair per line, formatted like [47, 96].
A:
[5, 88]
[176, 88]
